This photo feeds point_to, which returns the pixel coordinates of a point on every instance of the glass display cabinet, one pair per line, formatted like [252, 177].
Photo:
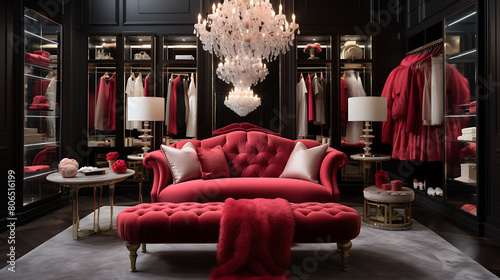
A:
[355, 55]
[314, 66]
[102, 55]
[42, 94]
[139, 80]
[460, 66]
[179, 62]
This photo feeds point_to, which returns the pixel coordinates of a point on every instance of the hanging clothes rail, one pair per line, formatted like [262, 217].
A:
[426, 47]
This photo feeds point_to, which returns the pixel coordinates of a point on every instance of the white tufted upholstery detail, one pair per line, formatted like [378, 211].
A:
[375, 194]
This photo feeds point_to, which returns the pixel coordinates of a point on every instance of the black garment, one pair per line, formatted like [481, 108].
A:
[181, 110]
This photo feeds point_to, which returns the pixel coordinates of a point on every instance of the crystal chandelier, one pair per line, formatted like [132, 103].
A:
[242, 101]
[246, 28]
[242, 73]
[243, 33]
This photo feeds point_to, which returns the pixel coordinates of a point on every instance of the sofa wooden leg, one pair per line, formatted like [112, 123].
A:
[344, 247]
[132, 247]
[144, 247]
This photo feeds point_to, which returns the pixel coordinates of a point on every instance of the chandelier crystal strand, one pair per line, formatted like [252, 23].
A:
[242, 101]
[240, 28]
[242, 73]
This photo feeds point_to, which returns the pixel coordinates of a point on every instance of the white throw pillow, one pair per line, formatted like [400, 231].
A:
[304, 163]
[183, 163]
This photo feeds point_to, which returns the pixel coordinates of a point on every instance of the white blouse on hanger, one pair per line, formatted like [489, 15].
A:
[129, 92]
[354, 89]
[193, 107]
[301, 109]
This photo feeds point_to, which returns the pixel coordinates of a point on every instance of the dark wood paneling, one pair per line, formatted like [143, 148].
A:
[431, 8]
[102, 12]
[489, 88]
[333, 12]
[160, 12]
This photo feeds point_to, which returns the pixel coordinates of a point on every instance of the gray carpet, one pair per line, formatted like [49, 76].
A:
[376, 254]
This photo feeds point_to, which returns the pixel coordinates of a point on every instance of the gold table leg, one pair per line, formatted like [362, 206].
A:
[76, 216]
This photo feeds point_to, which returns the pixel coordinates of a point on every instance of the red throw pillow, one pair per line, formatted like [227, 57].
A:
[213, 163]
[381, 177]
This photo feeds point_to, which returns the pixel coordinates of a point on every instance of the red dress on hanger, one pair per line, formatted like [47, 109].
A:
[172, 121]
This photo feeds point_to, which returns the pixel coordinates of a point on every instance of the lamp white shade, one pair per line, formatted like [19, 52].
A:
[145, 108]
[372, 108]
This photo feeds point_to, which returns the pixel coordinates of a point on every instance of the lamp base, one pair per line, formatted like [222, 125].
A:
[368, 140]
[145, 138]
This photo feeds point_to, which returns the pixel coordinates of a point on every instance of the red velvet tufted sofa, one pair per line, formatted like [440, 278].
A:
[242, 127]
[255, 160]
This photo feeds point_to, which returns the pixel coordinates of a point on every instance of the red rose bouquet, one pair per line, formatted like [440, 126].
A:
[112, 156]
[119, 166]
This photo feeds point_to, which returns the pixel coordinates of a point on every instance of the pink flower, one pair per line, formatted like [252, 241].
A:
[112, 156]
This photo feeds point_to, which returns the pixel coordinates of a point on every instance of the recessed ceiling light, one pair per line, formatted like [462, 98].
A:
[183, 39]
[140, 39]
[314, 39]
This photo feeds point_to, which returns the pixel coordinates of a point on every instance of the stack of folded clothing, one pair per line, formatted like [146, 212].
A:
[468, 134]
[472, 108]
[38, 58]
[40, 102]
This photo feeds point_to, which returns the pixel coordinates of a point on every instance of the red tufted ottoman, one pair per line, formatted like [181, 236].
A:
[192, 222]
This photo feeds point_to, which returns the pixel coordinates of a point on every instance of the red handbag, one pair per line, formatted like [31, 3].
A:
[381, 177]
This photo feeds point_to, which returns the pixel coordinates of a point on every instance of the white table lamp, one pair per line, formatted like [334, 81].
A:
[145, 109]
[367, 109]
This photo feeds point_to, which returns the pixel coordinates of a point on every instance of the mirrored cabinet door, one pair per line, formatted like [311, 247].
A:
[42, 95]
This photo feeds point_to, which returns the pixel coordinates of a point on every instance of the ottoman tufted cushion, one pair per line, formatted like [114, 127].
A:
[375, 194]
[192, 222]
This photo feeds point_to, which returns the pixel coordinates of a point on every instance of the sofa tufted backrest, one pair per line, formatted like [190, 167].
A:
[241, 127]
[252, 154]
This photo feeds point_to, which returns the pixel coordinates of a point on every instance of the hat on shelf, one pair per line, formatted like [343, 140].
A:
[351, 50]
[40, 102]
[316, 46]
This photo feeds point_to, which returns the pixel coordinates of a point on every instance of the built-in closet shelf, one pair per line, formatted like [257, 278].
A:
[30, 34]
[461, 116]
[37, 77]
[101, 61]
[468, 54]
[174, 62]
[31, 65]
[41, 117]
[423, 193]
[138, 61]
[462, 183]
[314, 61]
[356, 61]
[462, 141]
[34, 111]
[41, 144]
[43, 174]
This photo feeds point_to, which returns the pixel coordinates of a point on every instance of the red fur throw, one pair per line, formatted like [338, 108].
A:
[254, 239]
[119, 166]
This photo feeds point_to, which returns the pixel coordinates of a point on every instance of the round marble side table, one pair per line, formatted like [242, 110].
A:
[80, 181]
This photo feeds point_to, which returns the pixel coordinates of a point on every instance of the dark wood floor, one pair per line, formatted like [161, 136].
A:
[33, 234]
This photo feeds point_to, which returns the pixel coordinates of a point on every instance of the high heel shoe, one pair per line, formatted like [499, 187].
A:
[431, 192]
[438, 191]
[415, 184]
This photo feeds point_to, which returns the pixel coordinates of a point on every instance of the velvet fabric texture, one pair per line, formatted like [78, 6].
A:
[192, 222]
[304, 163]
[241, 127]
[183, 163]
[251, 156]
[213, 163]
[381, 178]
[254, 240]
